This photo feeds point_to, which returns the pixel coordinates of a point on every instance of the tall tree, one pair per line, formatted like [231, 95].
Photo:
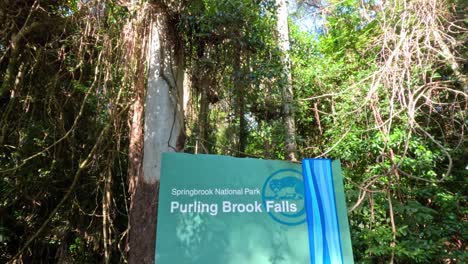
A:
[135, 30]
[288, 113]
[163, 128]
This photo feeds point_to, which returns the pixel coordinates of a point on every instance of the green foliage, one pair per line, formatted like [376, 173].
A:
[332, 73]
[51, 117]
[70, 78]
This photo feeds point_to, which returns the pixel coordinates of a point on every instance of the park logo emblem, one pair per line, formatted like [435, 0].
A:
[283, 197]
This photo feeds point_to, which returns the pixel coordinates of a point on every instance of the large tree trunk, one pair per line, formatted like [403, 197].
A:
[133, 32]
[200, 75]
[203, 123]
[288, 114]
[163, 132]
[240, 100]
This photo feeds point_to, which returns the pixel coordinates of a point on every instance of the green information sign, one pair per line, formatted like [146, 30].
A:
[217, 209]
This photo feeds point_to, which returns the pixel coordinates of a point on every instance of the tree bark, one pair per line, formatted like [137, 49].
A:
[200, 76]
[202, 136]
[16, 48]
[288, 111]
[163, 132]
[240, 101]
[135, 156]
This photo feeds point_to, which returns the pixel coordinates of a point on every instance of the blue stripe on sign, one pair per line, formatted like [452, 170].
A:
[331, 215]
[313, 217]
[322, 219]
[322, 244]
[324, 206]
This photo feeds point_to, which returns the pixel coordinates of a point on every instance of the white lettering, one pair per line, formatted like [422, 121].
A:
[174, 205]
[293, 207]
[269, 205]
[226, 206]
[194, 207]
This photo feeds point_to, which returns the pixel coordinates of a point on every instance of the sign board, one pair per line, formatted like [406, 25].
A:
[217, 209]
